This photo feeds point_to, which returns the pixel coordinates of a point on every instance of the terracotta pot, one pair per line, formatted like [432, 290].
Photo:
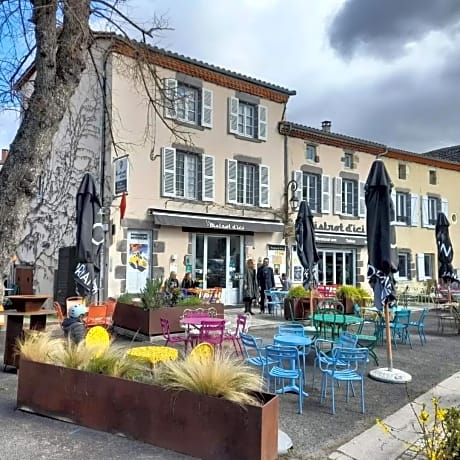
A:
[147, 322]
[186, 422]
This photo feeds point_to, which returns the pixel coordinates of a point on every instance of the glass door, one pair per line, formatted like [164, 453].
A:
[336, 267]
[216, 262]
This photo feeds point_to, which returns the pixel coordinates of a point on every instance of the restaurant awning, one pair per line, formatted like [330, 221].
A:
[214, 222]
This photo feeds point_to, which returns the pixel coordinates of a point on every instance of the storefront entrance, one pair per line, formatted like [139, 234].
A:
[337, 267]
[217, 261]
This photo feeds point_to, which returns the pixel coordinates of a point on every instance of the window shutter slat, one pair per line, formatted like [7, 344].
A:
[362, 202]
[208, 182]
[170, 97]
[168, 162]
[206, 107]
[298, 177]
[415, 210]
[232, 174]
[337, 195]
[326, 195]
[264, 186]
[262, 123]
[393, 220]
[233, 115]
[425, 221]
[421, 267]
[445, 207]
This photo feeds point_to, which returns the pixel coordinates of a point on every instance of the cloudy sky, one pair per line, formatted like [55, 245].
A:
[386, 71]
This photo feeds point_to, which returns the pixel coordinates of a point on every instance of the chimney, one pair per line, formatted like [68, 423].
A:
[5, 153]
[326, 126]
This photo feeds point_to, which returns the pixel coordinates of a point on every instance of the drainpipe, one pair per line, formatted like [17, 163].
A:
[286, 129]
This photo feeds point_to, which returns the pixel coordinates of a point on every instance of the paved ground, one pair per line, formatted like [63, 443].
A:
[315, 434]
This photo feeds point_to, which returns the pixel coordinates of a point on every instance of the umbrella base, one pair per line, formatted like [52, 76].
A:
[384, 374]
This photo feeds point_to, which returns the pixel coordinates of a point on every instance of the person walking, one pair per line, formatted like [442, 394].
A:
[266, 281]
[250, 286]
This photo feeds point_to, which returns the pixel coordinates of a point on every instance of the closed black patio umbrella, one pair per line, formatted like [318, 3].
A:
[445, 251]
[382, 264]
[90, 237]
[306, 245]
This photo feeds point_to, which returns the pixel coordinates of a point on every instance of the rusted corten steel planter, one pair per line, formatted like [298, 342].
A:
[186, 422]
[147, 322]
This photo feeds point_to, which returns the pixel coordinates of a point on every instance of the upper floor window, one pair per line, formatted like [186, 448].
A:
[188, 104]
[402, 171]
[187, 175]
[310, 152]
[434, 207]
[403, 207]
[349, 197]
[348, 160]
[425, 266]
[315, 189]
[248, 184]
[246, 119]
[431, 206]
[433, 177]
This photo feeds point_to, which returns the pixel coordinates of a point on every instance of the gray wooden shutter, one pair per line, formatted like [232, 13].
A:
[232, 175]
[233, 104]
[425, 211]
[337, 195]
[421, 267]
[326, 195]
[170, 97]
[264, 186]
[445, 207]
[298, 177]
[262, 118]
[362, 202]
[414, 210]
[168, 163]
[206, 108]
[393, 199]
[208, 182]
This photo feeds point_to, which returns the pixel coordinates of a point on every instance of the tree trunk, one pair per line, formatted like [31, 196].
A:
[59, 63]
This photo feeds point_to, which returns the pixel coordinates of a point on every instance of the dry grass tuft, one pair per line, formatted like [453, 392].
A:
[223, 377]
[40, 347]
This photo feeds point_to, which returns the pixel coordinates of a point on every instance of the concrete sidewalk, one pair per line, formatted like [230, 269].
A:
[374, 443]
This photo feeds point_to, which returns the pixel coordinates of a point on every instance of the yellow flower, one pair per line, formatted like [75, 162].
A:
[441, 414]
[424, 416]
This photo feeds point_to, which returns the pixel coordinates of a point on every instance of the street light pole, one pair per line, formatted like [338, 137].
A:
[294, 203]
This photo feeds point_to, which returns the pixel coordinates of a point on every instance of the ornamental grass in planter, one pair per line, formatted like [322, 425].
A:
[111, 392]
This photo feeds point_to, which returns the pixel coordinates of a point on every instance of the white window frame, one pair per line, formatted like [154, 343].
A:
[310, 152]
[247, 120]
[406, 256]
[348, 160]
[402, 199]
[306, 186]
[346, 183]
[188, 103]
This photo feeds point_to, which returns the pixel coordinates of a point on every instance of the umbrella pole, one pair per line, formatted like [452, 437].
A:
[388, 337]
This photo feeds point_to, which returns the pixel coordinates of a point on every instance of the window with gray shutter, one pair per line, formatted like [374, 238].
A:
[326, 195]
[362, 201]
[208, 182]
[232, 176]
[262, 123]
[337, 195]
[264, 186]
[415, 210]
[206, 108]
[233, 105]
[168, 162]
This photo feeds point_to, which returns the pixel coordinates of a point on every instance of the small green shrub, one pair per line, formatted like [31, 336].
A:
[152, 295]
[351, 292]
[191, 301]
[129, 298]
[298, 292]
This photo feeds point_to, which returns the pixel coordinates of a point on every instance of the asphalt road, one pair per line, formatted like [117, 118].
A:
[314, 434]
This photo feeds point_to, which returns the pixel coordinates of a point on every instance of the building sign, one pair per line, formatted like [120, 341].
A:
[139, 256]
[121, 167]
[344, 239]
[341, 228]
[276, 254]
[224, 225]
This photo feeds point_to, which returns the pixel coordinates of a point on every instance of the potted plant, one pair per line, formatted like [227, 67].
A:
[296, 303]
[350, 295]
[193, 397]
[138, 315]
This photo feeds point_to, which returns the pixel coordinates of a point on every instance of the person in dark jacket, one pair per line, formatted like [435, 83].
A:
[250, 286]
[266, 281]
[188, 282]
[73, 326]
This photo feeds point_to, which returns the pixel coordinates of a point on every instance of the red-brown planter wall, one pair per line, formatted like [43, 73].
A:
[147, 322]
[201, 426]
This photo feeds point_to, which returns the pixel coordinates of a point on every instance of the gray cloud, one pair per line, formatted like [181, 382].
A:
[383, 27]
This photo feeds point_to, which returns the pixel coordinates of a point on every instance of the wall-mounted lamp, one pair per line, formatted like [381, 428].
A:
[294, 200]
[173, 257]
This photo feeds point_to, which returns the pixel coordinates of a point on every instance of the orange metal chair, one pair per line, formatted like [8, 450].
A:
[58, 309]
[110, 303]
[97, 316]
[72, 301]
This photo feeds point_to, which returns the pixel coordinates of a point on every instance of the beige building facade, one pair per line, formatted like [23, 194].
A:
[206, 162]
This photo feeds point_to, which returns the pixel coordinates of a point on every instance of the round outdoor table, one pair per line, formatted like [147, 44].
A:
[343, 320]
[293, 341]
[153, 354]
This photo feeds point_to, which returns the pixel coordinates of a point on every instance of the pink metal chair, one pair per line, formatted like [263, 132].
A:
[172, 338]
[212, 332]
[235, 335]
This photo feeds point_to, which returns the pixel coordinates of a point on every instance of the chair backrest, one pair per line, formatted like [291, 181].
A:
[58, 309]
[294, 329]
[251, 345]
[356, 358]
[331, 304]
[347, 340]
[199, 312]
[203, 352]
[241, 321]
[284, 355]
[212, 332]
[110, 303]
[212, 312]
[97, 315]
[401, 316]
[72, 301]
[216, 295]
[164, 323]
[356, 310]
[421, 318]
[277, 296]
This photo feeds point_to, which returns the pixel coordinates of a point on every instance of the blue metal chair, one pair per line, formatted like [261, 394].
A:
[334, 369]
[297, 329]
[400, 327]
[420, 325]
[254, 350]
[277, 301]
[286, 367]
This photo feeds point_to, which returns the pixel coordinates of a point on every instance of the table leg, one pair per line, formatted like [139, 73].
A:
[292, 387]
[14, 330]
